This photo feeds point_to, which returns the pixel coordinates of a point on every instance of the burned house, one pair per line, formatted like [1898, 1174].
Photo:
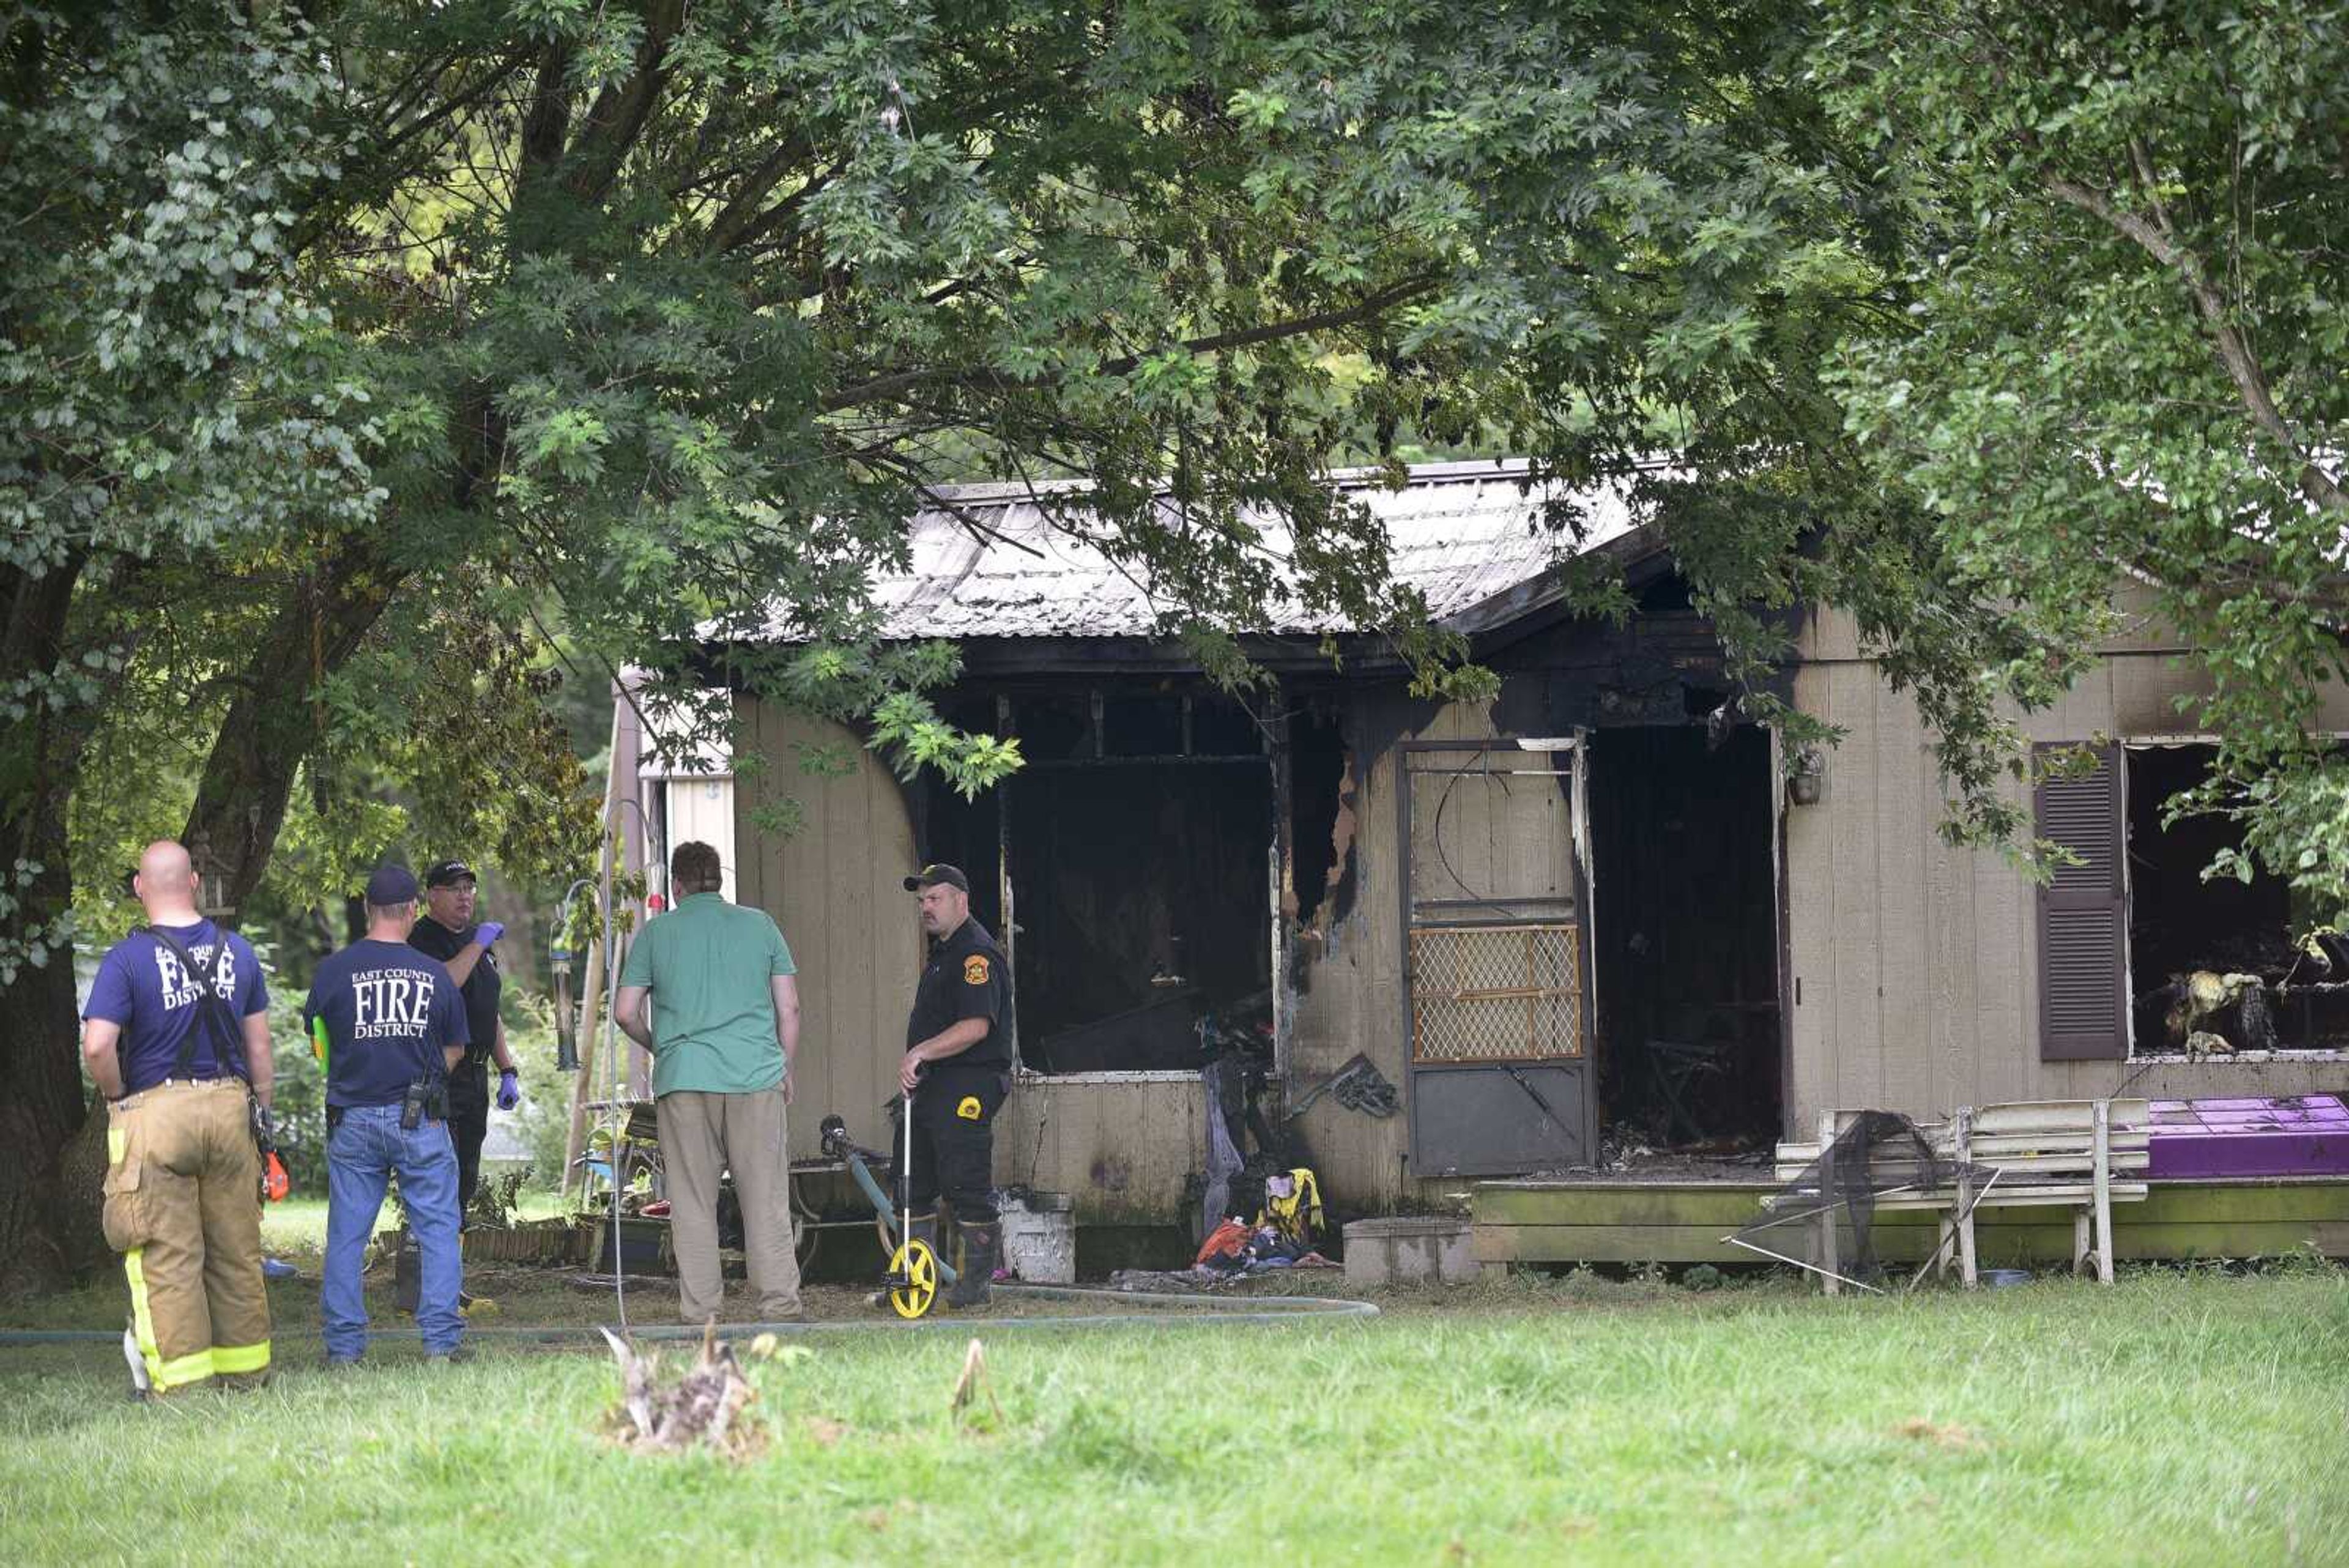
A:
[1597, 910]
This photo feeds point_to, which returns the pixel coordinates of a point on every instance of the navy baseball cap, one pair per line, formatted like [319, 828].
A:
[447, 873]
[935, 877]
[391, 884]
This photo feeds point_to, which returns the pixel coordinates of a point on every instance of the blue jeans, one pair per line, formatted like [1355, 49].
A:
[366, 1147]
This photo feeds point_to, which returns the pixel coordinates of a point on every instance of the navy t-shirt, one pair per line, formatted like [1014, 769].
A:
[144, 989]
[389, 1012]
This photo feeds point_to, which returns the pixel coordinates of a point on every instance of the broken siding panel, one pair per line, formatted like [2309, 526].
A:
[1352, 996]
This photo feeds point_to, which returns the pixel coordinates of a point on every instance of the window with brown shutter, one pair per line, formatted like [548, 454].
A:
[2083, 916]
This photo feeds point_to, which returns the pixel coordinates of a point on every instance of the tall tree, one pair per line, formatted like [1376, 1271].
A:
[150, 331]
[2128, 312]
[670, 314]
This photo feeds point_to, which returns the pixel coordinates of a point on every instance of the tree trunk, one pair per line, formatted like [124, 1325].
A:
[48, 1233]
[42, 1101]
[271, 727]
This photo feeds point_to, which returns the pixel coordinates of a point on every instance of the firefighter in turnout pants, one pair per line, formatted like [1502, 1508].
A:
[176, 1035]
[958, 1070]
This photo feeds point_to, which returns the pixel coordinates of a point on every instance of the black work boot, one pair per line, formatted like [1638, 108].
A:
[974, 1287]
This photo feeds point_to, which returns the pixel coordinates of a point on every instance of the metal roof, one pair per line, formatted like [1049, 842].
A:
[991, 560]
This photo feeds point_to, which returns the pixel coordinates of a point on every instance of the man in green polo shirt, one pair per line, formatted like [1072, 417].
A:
[723, 1028]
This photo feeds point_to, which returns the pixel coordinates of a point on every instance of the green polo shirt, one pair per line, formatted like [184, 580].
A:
[708, 964]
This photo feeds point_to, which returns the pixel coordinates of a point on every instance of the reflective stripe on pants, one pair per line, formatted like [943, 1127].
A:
[183, 1205]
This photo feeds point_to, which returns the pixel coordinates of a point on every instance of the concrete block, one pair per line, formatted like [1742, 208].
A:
[1417, 1249]
[1039, 1238]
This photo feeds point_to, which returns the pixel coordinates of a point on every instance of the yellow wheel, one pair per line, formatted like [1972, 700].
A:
[916, 1264]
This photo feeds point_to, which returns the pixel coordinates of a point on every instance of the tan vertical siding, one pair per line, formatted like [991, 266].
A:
[1857, 888]
[833, 888]
[1811, 948]
[1919, 963]
[1904, 910]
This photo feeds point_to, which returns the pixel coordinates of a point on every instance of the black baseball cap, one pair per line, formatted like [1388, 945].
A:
[935, 877]
[391, 886]
[442, 873]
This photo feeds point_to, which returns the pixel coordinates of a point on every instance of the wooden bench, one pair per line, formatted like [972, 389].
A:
[2083, 1155]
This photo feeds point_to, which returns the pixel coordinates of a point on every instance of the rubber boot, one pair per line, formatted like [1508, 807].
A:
[974, 1287]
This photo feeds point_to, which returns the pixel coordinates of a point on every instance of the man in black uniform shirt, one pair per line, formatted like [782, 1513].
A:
[447, 933]
[956, 1071]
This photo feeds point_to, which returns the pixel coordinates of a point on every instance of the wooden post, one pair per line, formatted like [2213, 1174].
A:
[1828, 1259]
[1968, 1270]
[2104, 1125]
[591, 991]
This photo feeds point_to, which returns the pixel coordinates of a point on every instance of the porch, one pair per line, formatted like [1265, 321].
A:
[1565, 1220]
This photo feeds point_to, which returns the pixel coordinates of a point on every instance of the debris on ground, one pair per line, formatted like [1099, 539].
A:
[1941, 1434]
[704, 1408]
[973, 1383]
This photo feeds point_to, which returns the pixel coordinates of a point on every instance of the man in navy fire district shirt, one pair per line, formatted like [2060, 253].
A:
[391, 1024]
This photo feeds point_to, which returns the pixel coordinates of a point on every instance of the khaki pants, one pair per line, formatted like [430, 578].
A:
[183, 1208]
[703, 1136]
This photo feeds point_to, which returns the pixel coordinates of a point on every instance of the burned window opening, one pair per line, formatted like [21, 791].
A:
[1686, 938]
[1142, 906]
[1132, 722]
[1668, 593]
[1320, 821]
[2212, 963]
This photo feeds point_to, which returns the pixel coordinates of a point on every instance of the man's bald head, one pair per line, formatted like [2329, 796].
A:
[165, 866]
[166, 884]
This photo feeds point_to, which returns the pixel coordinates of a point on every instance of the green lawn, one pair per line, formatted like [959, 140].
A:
[2187, 1419]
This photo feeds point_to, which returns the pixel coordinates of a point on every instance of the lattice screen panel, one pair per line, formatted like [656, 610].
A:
[1495, 993]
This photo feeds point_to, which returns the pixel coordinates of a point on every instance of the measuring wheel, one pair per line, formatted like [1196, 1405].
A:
[912, 1278]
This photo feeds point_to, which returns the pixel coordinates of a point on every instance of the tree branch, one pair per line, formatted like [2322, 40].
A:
[740, 219]
[617, 117]
[975, 376]
[2243, 367]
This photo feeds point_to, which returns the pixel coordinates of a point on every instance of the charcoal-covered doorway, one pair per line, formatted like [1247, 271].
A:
[1686, 945]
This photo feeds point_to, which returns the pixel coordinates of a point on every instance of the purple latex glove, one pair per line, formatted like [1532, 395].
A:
[487, 932]
[509, 1091]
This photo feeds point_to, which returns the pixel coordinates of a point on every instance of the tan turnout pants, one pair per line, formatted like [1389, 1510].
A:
[702, 1136]
[183, 1208]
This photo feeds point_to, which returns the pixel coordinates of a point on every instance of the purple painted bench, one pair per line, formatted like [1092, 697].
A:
[2302, 1135]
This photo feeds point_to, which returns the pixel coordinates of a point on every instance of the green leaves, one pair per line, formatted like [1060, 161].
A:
[2078, 400]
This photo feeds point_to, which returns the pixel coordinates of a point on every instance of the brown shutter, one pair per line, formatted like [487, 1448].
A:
[2083, 919]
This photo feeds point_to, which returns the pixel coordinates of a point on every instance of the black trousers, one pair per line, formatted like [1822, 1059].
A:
[468, 1127]
[953, 1143]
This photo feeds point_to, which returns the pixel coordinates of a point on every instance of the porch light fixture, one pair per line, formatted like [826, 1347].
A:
[1807, 777]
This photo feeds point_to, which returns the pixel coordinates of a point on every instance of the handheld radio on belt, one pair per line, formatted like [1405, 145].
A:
[216, 1018]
